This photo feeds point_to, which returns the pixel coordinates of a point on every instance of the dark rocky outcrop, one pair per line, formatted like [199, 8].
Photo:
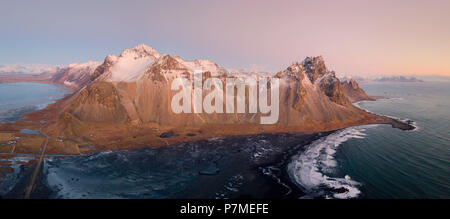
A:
[314, 67]
[354, 93]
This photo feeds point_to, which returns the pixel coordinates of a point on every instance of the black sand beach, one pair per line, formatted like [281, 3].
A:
[242, 167]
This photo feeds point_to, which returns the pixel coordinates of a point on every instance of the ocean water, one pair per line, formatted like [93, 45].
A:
[19, 98]
[377, 161]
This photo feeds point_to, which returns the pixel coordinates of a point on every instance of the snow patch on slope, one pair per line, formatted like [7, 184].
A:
[203, 65]
[132, 63]
[87, 65]
[76, 73]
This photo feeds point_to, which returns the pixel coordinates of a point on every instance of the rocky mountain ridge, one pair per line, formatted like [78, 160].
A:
[135, 87]
[354, 93]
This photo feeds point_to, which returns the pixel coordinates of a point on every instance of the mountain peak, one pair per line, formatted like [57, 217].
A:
[131, 63]
[314, 67]
[295, 70]
[353, 84]
[313, 61]
[140, 51]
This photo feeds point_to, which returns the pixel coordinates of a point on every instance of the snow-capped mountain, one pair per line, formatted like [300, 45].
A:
[75, 75]
[132, 64]
[135, 86]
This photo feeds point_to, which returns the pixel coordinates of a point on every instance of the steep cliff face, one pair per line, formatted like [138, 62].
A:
[331, 86]
[99, 102]
[354, 93]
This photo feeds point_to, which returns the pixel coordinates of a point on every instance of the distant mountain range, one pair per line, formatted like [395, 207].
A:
[382, 79]
[26, 69]
[398, 79]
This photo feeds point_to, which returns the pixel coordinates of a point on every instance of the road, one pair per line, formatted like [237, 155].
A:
[35, 173]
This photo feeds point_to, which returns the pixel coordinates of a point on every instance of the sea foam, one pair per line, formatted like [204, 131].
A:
[313, 169]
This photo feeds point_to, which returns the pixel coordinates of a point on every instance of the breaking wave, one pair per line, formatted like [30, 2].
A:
[314, 170]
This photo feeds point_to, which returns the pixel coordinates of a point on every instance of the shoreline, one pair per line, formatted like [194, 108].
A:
[269, 178]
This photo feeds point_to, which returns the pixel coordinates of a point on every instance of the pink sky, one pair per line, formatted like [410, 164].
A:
[355, 37]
